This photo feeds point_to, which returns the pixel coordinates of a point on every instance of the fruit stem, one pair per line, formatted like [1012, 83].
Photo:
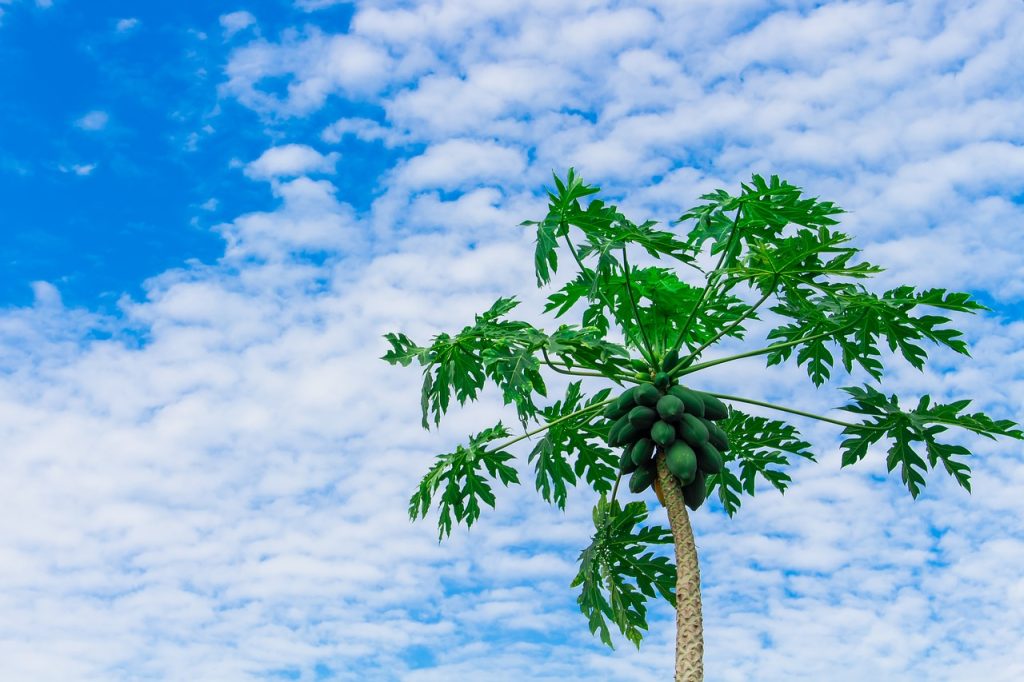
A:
[750, 311]
[711, 276]
[768, 349]
[649, 355]
[551, 363]
[781, 408]
[615, 488]
[513, 441]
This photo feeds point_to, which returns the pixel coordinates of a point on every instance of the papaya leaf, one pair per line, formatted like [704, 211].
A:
[561, 209]
[572, 438]
[618, 574]
[763, 208]
[921, 425]
[465, 485]
[586, 348]
[759, 447]
[459, 365]
[403, 350]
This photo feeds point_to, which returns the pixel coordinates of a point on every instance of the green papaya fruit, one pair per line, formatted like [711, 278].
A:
[616, 428]
[642, 451]
[662, 381]
[626, 401]
[663, 433]
[717, 436]
[642, 417]
[709, 459]
[681, 461]
[626, 465]
[695, 492]
[670, 361]
[713, 407]
[613, 411]
[630, 434]
[639, 365]
[670, 408]
[692, 430]
[641, 479]
[693, 403]
[646, 395]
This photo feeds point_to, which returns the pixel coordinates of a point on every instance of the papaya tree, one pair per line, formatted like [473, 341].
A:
[766, 254]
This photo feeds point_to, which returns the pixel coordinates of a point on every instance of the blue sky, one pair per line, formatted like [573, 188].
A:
[210, 214]
[117, 150]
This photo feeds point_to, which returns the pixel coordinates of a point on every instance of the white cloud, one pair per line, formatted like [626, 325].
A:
[290, 160]
[78, 168]
[363, 129]
[311, 220]
[94, 120]
[233, 22]
[321, 66]
[226, 500]
[125, 25]
[461, 163]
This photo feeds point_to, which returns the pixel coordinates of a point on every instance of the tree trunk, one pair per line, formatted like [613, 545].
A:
[689, 625]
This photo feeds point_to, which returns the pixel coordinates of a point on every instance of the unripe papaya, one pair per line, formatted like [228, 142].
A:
[670, 361]
[692, 430]
[663, 433]
[713, 407]
[630, 434]
[626, 465]
[626, 401]
[615, 430]
[642, 451]
[613, 411]
[641, 479]
[670, 408]
[717, 436]
[662, 381]
[646, 395]
[681, 461]
[639, 365]
[642, 417]
[696, 491]
[693, 403]
[709, 459]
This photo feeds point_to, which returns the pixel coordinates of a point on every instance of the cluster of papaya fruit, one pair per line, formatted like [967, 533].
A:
[660, 416]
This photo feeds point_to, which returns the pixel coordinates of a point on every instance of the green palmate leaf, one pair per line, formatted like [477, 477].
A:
[573, 438]
[803, 262]
[587, 349]
[857, 322]
[492, 348]
[664, 303]
[618, 572]
[885, 419]
[465, 485]
[563, 207]
[759, 448]
[764, 210]
[403, 350]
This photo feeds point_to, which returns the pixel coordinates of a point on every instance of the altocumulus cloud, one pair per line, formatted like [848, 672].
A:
[218, 489]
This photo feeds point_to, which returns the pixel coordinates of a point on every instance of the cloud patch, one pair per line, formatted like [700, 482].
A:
[290, 160]
[460, 163]
[235, 22]
[93, 121]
